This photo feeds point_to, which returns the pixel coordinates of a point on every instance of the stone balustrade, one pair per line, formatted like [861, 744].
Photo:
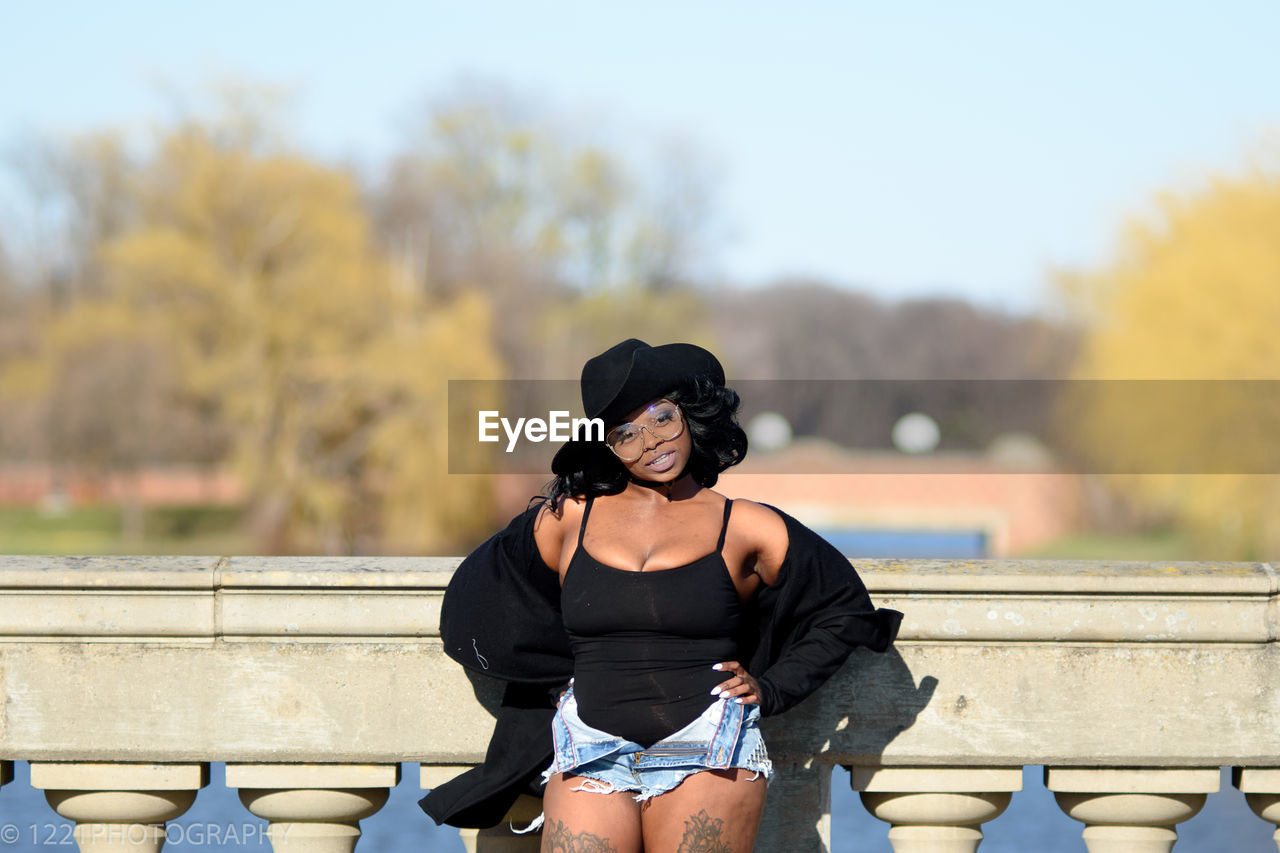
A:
[314, 679]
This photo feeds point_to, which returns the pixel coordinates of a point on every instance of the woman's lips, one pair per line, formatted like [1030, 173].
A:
[662, 462]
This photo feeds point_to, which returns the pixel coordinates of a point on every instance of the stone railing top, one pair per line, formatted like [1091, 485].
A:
[209, 573]
[1063, 577]
[375, 598]
[1087, 577]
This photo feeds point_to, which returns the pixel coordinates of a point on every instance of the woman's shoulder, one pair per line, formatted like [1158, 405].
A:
[758, 515]
[552, 521]
[568, 510]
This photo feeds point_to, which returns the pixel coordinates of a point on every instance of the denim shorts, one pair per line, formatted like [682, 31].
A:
[725, 735]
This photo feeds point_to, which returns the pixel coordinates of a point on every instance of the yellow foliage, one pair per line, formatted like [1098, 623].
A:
[411, 452]
[1194, 294]
[255, 276]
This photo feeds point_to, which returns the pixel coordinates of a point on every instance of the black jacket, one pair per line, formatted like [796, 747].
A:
[501, 618]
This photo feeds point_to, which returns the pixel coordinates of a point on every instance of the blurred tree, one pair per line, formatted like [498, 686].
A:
[574, 330]
[591, 192]
[8, 287]
[1192, 294]
[14, 340]
[494, 195]
[12, 311]
[936, 351]
[251, 273]
[93, 172]
[111, 404]
[673, 244]
[76, 196]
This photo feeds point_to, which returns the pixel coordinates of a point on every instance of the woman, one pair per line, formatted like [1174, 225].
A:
[678, 616]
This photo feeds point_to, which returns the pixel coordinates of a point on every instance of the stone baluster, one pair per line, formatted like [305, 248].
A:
[313, 808]
[1261, 789]
[1130, 810]
[936, 809]
[797, 812]
[496, 839]
[119, 807]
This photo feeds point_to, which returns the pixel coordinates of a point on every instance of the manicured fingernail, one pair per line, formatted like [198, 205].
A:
[716, 666]
[715, 691]
[739, 701]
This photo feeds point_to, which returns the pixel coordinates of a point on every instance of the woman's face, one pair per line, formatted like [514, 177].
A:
[660, 460]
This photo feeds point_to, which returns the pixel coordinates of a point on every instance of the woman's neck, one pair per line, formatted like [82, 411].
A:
[672, 490]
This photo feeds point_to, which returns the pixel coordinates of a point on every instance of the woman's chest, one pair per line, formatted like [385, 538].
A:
[696, 601]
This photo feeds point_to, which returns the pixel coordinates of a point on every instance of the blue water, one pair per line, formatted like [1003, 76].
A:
[217, 821]
[907, 543]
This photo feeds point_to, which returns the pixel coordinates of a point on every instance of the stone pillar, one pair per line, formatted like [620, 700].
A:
[936, 809]
[119, 807]
[797, 812]
[313, 808]
[1261, 789]
[1130, 810]
[496, 839]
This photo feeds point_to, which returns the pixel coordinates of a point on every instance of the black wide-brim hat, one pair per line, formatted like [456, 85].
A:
[625, 377]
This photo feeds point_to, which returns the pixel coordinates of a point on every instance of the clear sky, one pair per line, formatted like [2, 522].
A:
[905, 148]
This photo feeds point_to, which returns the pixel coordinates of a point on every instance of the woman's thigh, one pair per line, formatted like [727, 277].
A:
[713, 811]
[586, 821]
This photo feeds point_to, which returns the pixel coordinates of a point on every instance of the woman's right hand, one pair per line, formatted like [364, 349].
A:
[741, 688]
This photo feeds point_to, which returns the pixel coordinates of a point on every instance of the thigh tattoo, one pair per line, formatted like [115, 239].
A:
[703, 834]
[556, 838]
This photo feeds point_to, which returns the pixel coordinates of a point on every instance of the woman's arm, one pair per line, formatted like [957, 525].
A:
[766, 535]
[815, 612]
[814, 615]
[765, 547]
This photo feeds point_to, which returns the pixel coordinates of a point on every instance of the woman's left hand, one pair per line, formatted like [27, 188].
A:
[741, 688]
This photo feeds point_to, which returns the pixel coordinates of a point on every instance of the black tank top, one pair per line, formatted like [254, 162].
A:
[644, 642]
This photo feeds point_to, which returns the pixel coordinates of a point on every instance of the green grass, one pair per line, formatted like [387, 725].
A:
[1159, 545]
[196, 530]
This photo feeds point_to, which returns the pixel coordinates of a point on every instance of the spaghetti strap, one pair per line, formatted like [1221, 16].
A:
[582, 528]
[724, 526]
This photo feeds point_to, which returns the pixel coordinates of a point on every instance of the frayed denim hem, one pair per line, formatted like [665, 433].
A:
[759, 762]
[643, 792]
[591, 784]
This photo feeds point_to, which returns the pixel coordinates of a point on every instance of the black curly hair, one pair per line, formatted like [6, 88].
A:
[710, 411]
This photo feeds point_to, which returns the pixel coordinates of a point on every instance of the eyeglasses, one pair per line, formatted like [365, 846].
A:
[662, 420]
